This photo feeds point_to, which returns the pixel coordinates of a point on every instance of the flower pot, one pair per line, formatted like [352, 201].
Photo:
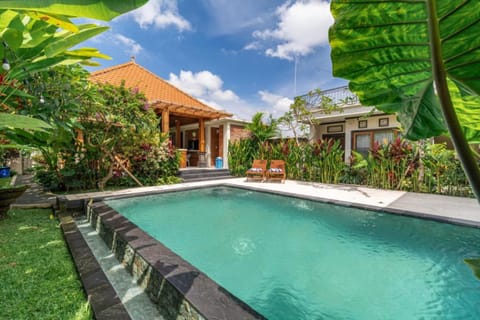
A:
[9, 196]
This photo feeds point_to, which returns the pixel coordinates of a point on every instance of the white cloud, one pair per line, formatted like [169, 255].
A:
[277, 103]
[208, 88]
[255, 45]
[301, 27]
[130, 46]
[231, 17]
[161, 14]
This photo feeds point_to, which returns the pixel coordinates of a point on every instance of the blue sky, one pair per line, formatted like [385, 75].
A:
[236, 55]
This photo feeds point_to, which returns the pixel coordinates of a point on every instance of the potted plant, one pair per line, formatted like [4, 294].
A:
[8, 193]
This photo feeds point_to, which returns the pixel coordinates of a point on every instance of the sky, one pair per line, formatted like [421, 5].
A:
[242, 56]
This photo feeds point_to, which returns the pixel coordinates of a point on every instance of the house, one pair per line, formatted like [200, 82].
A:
[356, 126]
[199, 131]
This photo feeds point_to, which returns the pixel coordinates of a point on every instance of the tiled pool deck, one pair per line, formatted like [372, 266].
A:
[443, 208]
[465, 211]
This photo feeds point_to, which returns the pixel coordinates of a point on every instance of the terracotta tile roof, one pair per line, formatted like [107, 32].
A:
[159, 92]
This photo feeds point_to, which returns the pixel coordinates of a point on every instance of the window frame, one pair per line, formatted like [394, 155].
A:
[371, 133]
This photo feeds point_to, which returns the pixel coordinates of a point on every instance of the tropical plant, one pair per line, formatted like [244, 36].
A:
[321, 161]
[418, 59]
[300, 116]
[240, 155]
[262, 131]
[114, 123]
[32, 42]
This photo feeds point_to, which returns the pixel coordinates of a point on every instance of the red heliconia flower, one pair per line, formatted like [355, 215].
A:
[316, 149]
[375, 150]
[391, 176]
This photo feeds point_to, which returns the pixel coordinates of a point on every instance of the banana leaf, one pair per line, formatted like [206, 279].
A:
[58, 21]
[95, 9]
[18, 121]
[419, 59]
[70, 40]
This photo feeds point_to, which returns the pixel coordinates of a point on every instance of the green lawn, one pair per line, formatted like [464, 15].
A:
[5, 182]
[37, 277]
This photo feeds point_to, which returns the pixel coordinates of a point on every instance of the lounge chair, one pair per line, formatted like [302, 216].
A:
[276, 172]
[257, 171]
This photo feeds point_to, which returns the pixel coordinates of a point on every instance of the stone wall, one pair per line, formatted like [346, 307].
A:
[238, 132]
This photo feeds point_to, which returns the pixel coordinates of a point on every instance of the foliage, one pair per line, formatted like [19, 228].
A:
[388, 165]
[262, 131]
[474, 264]
[101, 10]
[5, 182]
[156, 164]
[321, 161]
[38, 35]
[64, 90]
[114, 123]
[398, 165]
[241, 154]
[7, 154]
[95, 129]
[418, 59]
[37, 274]
[301, 115]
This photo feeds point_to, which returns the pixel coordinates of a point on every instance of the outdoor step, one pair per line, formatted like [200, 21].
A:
[190, 175]
[208, 178]
[203, 174]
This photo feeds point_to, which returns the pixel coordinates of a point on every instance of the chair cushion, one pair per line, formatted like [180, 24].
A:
[275, 170]
[255, 169]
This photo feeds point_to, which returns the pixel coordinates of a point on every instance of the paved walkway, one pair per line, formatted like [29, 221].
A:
[33, 197]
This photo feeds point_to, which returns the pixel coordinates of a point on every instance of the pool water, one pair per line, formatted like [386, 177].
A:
[297, 259]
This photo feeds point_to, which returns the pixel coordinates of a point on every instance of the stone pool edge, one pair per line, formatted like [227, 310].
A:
[100, 293]
[175, 286]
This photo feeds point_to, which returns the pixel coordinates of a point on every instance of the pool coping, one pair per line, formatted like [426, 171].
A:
[420, 205]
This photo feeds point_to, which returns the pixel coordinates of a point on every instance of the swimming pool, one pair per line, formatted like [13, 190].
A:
[297, 259]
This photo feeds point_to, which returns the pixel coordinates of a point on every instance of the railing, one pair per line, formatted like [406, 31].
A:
[340, 96]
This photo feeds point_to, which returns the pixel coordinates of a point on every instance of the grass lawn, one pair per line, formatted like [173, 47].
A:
[5, 182]
[38, 279]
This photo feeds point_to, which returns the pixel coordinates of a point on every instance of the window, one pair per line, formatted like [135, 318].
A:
[363, 140]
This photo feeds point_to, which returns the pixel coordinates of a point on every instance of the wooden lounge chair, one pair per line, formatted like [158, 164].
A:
[257, 171]
[276, 172]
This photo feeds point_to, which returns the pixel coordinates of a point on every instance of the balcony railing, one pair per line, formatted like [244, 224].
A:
[340, 96]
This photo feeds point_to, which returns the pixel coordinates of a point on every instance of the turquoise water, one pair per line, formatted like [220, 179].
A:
[297, 259]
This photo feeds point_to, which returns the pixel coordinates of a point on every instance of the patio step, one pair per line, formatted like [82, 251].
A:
[194, 174]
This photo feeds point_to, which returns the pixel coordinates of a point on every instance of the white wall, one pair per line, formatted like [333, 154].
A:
[351, 125]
